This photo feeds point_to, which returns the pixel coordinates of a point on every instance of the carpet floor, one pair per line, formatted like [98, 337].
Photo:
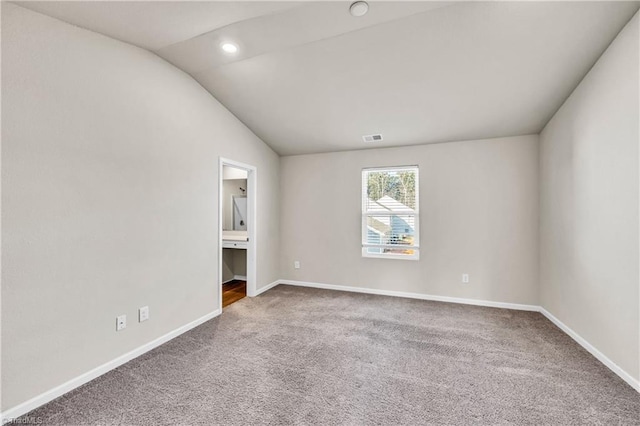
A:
[308, 356]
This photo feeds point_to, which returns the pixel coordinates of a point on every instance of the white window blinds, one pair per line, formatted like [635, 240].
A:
[390, 215]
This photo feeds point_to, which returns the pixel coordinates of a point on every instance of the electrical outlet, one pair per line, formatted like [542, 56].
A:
[465, 278]
[121, 322]
[143, 314]
[296, 264]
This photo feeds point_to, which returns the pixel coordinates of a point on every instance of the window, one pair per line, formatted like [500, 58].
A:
[390, 213]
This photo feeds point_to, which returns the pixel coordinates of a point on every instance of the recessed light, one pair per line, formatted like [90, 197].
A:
[359, 8]
[229, 47]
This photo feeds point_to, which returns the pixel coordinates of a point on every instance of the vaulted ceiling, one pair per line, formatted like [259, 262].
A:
[309, 77]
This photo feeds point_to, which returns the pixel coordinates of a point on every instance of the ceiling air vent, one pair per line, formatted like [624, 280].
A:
[372, 138]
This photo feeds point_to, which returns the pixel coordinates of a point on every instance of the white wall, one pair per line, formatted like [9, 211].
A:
[479, 215]
[234, 262]
[109, 193]
[589, 206]
[229, 172]
[230, 188]
[109, 196]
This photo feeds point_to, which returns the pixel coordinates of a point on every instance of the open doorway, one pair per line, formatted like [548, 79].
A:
[236, 225]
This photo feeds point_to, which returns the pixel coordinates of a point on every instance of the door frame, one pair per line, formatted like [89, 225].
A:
[252, 197]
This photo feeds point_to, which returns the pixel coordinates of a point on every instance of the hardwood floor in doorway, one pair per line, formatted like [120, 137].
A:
[233, 291]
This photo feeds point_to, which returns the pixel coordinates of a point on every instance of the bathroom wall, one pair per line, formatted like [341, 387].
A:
[234, 263]
[230, 188]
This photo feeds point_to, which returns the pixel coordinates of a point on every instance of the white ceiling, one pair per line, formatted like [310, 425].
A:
[155, 24]
[311, 78]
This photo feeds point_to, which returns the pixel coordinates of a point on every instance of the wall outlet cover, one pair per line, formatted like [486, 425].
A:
[121, 322]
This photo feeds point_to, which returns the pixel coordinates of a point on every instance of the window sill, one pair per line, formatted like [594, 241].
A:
[392, 256]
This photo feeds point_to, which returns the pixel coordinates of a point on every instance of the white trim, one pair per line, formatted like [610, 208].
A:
[392, 256]
[267, 287]
[628, 378]
[388, 212]
[252, 246]
[60, 390]
[234, 278]
[420, 296]
[593, 351]
[394, 168]
[50, 395]
[391, 246]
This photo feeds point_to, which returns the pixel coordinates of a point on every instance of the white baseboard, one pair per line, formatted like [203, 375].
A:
[267, 287]
[50, 395]
[634, 383]
[60, 390]
[236, 277]
[420, 296]
[592, 350]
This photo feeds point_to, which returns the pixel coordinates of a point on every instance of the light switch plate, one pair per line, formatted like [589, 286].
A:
[143, 313]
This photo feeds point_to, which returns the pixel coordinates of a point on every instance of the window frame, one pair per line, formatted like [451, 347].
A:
[366, 214]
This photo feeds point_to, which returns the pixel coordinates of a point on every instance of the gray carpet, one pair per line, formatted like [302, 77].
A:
[307, 356]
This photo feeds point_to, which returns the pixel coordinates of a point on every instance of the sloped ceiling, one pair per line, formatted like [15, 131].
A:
[154, 24]
[309, 77]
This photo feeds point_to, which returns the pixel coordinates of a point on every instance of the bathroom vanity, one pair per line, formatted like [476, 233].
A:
[235, 239]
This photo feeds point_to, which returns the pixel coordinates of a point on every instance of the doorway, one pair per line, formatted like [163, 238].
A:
[236, 231]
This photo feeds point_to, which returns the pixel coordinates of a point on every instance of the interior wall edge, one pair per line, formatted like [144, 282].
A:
[269, 286]
[628, 378]
[47, 396]
[476, 196]
[588, 236]
[418, 296]
[417, 145]
[137, 109]
[619, 371]
[550, 117]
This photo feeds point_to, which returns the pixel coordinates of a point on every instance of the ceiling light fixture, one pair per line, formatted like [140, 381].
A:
[359, 8]
[229, 47]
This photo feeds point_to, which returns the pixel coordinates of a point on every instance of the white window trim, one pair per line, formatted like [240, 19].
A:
[415, 214]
